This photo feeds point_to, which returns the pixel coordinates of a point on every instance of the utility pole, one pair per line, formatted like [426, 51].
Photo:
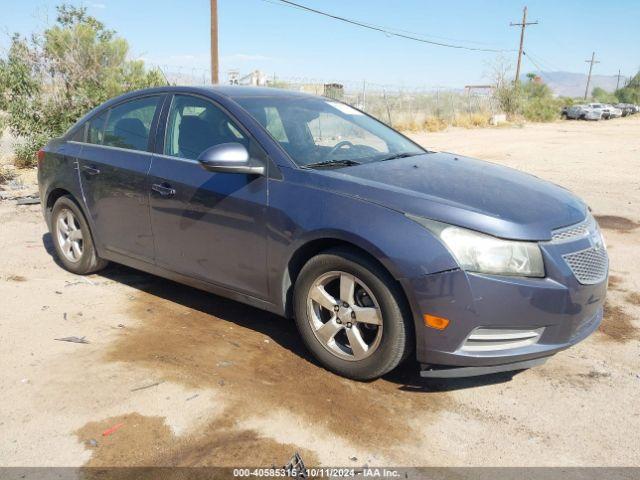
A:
[590, 62]
[214, 42]
[364, 94]
[618, 82]
[524, 25]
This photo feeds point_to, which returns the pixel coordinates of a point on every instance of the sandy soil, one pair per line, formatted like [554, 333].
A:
[174, 376]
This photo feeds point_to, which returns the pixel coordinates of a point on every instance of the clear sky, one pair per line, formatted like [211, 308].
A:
[262, 34]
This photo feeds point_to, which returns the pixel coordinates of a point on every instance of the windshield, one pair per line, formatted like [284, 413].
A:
[320, 131]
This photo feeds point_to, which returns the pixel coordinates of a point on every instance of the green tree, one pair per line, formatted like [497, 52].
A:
[630, 93]
[49, 81]
[539, 103]
[601, 95]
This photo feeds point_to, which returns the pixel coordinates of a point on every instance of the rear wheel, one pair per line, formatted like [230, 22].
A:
[351, 315]
[72, 238]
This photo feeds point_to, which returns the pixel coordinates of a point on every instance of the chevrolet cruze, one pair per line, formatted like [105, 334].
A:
[306, 207]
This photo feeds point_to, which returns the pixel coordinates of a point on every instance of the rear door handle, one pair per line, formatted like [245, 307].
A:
[164, 189]
[91, 170]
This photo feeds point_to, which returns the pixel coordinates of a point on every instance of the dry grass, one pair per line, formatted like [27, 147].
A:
[472, 120]
[419, 122]
[6, 174]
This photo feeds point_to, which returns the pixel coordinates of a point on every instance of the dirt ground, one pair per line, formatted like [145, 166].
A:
[174, 376]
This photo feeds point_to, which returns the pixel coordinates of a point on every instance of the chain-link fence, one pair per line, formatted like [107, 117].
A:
[407, 108]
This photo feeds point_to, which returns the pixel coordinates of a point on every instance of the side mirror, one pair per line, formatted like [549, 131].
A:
[229, 158]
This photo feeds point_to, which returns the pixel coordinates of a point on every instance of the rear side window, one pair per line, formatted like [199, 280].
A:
[96, 129]
[129, 124]
[195, 124]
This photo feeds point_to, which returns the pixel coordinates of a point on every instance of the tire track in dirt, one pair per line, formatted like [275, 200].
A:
[149, 441]
[256, 360]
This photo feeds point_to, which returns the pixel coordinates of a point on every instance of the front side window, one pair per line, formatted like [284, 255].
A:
[195, 124]
[318, 130]
[129, 124]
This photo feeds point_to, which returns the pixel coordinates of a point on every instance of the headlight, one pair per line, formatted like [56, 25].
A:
[477, 252]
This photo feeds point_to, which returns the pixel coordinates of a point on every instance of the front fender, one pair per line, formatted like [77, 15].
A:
[300, 214]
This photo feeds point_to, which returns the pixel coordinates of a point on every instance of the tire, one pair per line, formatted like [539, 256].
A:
[376, 297]
[78, 255]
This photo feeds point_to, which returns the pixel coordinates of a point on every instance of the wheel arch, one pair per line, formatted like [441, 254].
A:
[54, 195]
[312, 247]
[51, 199]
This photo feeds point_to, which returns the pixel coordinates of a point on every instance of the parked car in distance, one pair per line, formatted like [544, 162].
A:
[576, 112]
[584, 112]
[614, 112]
[598, 111]
[306, 207]
[626, 108]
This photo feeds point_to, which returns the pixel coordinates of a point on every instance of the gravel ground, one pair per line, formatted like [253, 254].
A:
[181, 377]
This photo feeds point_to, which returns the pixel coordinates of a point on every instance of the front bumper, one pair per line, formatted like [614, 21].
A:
[552, 313]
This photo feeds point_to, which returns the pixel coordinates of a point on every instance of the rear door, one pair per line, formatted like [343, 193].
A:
[209, 226]
[114, 164]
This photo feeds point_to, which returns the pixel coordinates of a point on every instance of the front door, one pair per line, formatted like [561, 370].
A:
[114, 163]
[207, 225]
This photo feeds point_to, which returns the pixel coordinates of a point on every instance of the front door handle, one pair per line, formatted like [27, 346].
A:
[164, 189]
[91, 170]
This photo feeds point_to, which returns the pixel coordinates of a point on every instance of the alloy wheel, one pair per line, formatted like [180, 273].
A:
[70, 236]
[344, 315]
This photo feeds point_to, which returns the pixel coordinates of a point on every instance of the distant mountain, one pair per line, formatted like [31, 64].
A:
[568, 84]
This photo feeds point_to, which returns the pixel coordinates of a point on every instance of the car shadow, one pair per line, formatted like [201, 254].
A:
[47, 242]
[279, 329]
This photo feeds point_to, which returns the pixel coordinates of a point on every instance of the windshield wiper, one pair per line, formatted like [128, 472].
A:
[332, 163]
[399, 155]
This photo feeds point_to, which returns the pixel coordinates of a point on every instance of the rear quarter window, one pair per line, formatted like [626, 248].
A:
[78, 135]
[95, 132]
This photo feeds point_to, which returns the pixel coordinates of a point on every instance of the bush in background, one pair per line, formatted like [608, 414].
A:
[630, 93]
[539, 104]
[51, 80]
[602, 96]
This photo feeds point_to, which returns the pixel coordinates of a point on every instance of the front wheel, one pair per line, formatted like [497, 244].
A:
[351, 315]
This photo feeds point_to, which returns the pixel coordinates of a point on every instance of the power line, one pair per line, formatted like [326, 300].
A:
[545, 63]
[542, 74]
[385, 30]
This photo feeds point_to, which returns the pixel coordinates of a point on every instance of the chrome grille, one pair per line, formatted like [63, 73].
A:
[484, 339]
[573, 232]
[589, 266]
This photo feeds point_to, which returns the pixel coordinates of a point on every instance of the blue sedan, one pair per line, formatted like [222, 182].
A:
[306, 207]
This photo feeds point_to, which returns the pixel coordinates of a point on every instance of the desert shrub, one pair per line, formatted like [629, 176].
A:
[6, 174]
[49, 81]
[538, 103]
[630, 93]
[472, 120]
[433, 124]
[601, 95]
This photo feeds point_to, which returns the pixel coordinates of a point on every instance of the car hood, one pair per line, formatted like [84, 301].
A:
[463, 191]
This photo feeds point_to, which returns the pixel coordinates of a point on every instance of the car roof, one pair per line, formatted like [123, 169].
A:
[230, 91]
